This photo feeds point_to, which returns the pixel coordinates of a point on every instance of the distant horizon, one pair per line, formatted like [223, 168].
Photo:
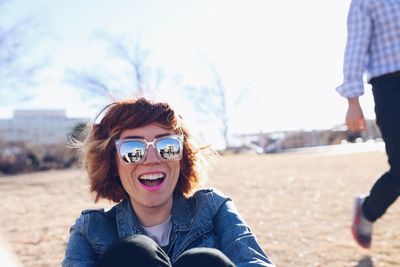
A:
[64, 112]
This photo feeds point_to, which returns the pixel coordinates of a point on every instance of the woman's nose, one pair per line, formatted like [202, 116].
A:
[151, 156]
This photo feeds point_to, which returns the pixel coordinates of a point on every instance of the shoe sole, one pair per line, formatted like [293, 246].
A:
[356, 218]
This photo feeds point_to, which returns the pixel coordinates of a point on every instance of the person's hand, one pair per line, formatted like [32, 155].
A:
[355, 120]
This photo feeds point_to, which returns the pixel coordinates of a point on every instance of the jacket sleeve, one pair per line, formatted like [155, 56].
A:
[359, 31]
[79, 252]
[237, 241]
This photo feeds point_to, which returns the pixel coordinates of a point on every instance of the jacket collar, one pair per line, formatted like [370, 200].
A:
[128, 224]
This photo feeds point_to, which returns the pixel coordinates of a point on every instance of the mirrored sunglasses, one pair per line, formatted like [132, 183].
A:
[133, 151]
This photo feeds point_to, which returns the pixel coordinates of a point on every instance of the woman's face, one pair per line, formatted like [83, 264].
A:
[149, 184]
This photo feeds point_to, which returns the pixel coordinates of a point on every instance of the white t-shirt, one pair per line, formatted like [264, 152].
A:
[160, 233]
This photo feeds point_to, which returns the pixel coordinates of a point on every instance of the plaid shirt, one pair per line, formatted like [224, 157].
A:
[373, 43]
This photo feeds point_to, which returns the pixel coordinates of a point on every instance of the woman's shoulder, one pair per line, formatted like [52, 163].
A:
[208, 191]
[90, 217]
[100, 213]
[210, 196]
[97, 226]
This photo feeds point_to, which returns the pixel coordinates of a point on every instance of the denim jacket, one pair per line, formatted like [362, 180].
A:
[206, 219]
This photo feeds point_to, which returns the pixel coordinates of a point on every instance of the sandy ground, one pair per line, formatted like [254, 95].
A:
[298, 204]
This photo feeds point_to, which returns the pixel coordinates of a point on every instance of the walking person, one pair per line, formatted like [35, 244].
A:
[142, 157]
[373, 48]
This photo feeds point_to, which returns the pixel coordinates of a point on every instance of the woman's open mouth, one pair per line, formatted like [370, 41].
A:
[152, 181]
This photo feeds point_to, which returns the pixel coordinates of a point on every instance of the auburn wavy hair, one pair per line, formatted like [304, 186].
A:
[99, 152]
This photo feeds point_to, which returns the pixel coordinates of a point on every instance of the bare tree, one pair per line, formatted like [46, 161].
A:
[221, 108]
[95, 84]
[142, 77]
[135, 59]
[15, 69]
[212, 102]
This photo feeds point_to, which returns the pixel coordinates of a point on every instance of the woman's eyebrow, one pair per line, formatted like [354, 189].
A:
[142, 137]
[162, 135]
[133, 137]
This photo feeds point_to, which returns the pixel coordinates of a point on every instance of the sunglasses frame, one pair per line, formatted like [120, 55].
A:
[120, 142]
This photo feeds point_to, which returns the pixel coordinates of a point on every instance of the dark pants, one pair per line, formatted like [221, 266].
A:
[386, 91]
[142, 251]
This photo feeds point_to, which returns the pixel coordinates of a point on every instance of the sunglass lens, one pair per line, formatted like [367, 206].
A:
[169, 148]
[132, 151]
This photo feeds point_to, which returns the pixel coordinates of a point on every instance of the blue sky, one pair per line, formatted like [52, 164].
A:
[287, 53]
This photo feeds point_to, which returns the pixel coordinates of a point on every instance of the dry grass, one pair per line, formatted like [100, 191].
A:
[299, 205]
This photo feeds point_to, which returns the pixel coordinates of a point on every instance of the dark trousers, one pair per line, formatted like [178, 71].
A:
[386, 91]
[142, 251]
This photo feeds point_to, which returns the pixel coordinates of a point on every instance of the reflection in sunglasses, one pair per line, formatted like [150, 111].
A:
[134, 156]
[133, 151]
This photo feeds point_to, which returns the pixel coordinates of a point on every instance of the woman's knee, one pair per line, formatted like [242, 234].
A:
[197, 257]
[136, 250]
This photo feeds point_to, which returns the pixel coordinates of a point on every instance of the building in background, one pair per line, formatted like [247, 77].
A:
[41, 127]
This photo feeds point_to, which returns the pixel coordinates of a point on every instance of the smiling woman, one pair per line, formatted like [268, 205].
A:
[142, 157]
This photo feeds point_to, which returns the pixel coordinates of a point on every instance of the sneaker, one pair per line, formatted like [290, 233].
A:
[361, 227]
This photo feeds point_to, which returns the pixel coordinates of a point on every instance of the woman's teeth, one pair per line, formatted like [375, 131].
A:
[152, 179]
[152, 176]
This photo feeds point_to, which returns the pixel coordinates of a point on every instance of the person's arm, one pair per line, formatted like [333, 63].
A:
[79, 252]
[359, 32]
[237, 241]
